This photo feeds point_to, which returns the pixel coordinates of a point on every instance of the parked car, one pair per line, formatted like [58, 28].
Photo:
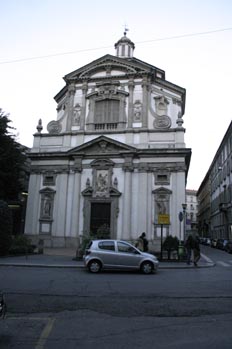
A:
[224, 244]
[228, 246]
[221, 244]
[117, 254]
[205, 241]
[213, 243]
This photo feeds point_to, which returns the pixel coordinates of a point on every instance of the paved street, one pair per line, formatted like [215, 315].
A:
[69, 307]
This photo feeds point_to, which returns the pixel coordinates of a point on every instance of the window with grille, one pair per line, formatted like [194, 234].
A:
[106, 111]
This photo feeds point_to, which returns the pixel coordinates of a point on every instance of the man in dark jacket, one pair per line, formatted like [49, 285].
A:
[189, 246]
[196, 251]
[145, 242]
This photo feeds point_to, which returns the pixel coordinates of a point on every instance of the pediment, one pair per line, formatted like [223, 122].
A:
[47, 190]
[114, 64]
[102, 145]
[162, 190]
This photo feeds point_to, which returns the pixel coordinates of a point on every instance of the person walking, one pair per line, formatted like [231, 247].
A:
[145, 242]
[196, 251]
[189, 246]
[142, 243]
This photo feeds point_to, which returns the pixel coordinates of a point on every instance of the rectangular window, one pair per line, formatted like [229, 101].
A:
[106, 111]
[49, 179]
[162, 178]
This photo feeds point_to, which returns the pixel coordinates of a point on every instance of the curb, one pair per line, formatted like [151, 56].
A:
[162, 265]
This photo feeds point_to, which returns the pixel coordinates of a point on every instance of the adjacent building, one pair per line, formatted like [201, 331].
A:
[204, 207]
[215, 193]
[115, 159]
[191, 210]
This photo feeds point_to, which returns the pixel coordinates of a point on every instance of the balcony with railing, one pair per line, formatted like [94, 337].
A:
[106, 126]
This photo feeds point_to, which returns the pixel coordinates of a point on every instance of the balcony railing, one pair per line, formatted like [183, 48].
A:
[106, 126]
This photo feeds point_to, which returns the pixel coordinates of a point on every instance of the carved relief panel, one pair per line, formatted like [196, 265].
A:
[162, 202]
[102, 178]
[162, 120]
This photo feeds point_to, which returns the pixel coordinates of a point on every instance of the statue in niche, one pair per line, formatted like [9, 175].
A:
[162, 205]
[102, 181]
[47, 206]
[137, 110]
[76, 115]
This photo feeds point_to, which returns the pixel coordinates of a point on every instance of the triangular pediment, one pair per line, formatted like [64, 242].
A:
[162, 190]
[117, 64]
[102, 145]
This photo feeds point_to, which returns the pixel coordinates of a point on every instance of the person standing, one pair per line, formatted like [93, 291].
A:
[189, 246]
[142, 240]
[196, 251]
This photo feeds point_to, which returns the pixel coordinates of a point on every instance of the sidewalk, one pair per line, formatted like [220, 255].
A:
[65, 258]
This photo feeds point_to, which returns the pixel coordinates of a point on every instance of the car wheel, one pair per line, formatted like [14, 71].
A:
[94, 266]
[147, 268]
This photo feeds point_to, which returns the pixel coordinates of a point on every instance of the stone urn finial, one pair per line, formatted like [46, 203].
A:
[39, 126]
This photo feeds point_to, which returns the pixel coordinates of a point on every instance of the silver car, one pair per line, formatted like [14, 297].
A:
[117, 254]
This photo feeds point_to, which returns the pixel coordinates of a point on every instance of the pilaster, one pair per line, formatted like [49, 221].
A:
[75, 224]
[145, 88]
[83, 108]
[71, 92]
[131, 86]
[127, 205]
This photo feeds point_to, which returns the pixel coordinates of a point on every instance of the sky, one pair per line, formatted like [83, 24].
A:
[42, 41]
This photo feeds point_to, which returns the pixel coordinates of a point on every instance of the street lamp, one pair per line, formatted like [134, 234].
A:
[184, 206]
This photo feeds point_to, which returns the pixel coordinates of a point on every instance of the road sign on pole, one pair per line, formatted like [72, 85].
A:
[164, 219]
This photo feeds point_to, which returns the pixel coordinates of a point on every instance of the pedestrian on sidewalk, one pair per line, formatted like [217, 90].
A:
[142, 242]
[196, 251]
[189, 246]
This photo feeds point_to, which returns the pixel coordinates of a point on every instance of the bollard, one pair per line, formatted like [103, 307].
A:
[181, 252]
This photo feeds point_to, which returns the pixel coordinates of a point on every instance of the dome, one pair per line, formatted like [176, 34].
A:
[124, 47]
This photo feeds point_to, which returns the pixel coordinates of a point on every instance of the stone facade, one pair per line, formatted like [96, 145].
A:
[115, 158]
[215, 193]
[191, 211]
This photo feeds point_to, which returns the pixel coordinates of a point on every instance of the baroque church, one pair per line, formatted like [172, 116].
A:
[115, 160]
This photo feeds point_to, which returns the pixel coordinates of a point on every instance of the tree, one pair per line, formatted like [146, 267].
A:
[12, 161]
[6, 228]
[170, 244]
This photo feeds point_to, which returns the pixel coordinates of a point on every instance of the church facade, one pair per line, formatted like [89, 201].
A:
[115, 160]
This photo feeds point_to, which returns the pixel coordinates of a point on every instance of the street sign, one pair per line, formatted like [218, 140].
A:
[164, 219]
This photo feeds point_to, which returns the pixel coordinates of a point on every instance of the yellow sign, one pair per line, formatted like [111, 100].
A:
[163, 219]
